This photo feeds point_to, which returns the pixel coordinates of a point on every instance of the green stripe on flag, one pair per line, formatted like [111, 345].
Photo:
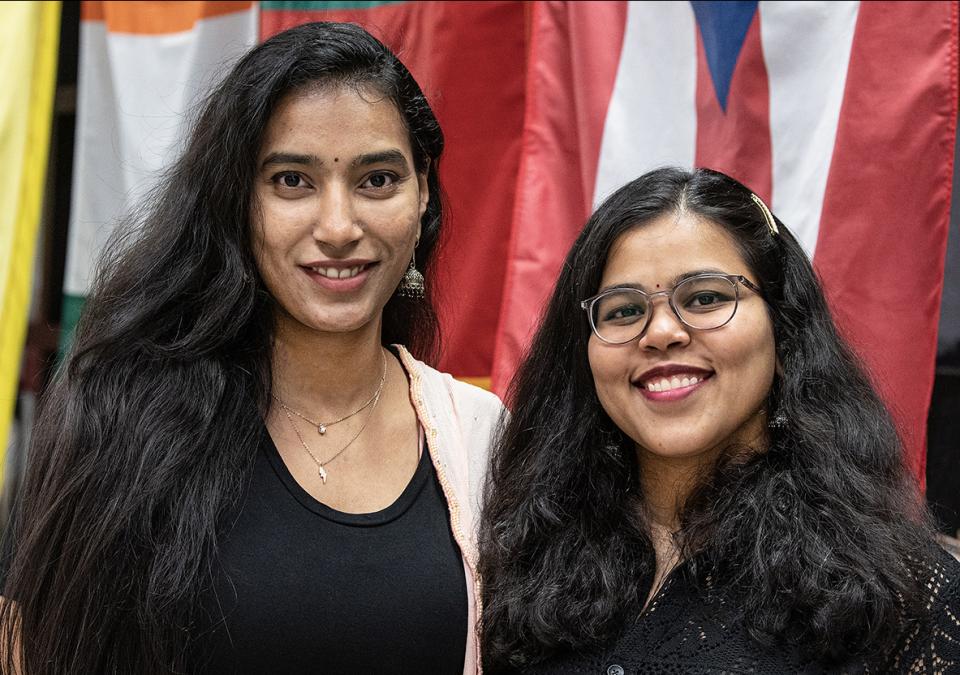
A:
[70, 314]
[324, 6]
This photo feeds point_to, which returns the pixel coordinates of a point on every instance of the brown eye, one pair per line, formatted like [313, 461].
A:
[380, 181]
[291, 180]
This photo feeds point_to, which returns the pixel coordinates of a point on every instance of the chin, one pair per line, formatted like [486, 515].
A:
[672, 447]
[337, 322]
[341, 326]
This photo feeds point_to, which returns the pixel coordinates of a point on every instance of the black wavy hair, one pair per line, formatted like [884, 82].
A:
[816, 538]
[148, 430]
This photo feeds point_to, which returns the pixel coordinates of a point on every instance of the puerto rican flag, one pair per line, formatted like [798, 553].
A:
[841, 115]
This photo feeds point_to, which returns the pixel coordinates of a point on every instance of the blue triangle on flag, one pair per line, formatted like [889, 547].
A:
[723, 29]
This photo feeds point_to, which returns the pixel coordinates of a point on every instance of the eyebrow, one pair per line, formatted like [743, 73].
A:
[673, 282]
[290, 158]
[391, 156]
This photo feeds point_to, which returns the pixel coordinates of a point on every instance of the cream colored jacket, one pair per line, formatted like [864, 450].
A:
[459, 421]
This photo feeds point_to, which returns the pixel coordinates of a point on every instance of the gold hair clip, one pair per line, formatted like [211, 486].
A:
[767, 216]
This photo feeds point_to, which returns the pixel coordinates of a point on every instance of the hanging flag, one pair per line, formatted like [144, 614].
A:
[468, 58]
[842, 115]
[29, 37]
[143, 66]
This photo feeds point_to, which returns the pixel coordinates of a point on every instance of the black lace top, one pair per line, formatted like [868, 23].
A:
[680, 632]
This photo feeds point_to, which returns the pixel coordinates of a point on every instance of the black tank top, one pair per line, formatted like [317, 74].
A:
[302, 588]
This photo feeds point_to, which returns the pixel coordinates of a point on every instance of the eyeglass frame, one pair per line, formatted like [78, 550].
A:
[735, 279]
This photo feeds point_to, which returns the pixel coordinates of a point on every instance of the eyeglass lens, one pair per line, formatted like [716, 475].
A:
[701, 302]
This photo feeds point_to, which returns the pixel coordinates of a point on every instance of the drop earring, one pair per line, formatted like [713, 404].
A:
[411, 286]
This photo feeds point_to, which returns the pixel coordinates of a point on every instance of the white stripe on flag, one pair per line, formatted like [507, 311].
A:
[652, 118]
[135, 99]
[806, 48]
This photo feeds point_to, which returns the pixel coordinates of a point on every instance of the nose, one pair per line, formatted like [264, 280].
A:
[665, 329]
[336, 224]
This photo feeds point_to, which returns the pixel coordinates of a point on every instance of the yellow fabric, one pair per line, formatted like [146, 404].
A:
[482, 382]
[29, 37]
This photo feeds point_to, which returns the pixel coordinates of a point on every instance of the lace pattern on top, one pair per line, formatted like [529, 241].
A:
[695, 632]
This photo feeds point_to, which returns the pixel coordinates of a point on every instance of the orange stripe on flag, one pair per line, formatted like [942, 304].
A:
[156, 18]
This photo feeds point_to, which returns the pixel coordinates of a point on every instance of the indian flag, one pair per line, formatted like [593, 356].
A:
[143, 68]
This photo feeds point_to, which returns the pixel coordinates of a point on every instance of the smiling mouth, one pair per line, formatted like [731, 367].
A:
[340, 273]
[673, 382]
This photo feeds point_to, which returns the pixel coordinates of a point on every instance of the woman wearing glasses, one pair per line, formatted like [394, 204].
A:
[698, 477]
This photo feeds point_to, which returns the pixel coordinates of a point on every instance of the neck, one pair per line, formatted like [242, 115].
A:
[665, 484]
[325, 374]
[666, 481]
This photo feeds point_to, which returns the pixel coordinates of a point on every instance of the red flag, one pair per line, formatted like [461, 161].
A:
[574, 51]
[469, 60]
[883, 232]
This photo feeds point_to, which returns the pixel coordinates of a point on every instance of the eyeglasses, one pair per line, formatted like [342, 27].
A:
[703, 302]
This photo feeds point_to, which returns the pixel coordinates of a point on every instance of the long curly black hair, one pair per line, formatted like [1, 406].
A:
[146, 435]
[817, 538]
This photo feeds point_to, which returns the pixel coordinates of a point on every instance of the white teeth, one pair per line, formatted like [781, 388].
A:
[666, 384]
[334, 273]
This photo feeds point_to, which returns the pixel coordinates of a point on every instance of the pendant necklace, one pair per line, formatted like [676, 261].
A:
[322, 428]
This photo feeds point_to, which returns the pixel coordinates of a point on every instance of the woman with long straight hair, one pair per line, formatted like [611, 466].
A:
[244, 465]
[697, 476]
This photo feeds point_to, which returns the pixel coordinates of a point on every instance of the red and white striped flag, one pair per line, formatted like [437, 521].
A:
[842, 115]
